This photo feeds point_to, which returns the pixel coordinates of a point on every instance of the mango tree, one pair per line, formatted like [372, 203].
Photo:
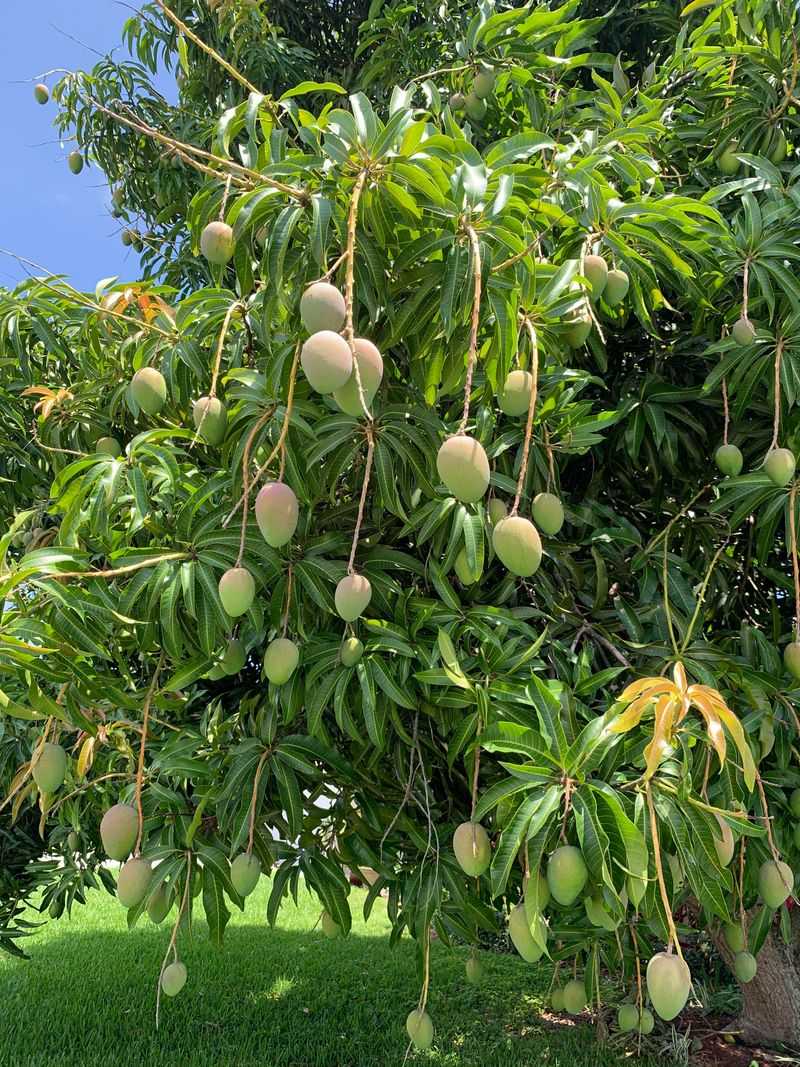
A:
[428, 506]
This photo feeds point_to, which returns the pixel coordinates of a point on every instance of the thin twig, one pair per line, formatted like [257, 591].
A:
[175, 928]
[795, 567]
[68, 293]
[766, 818]
[746, 289]
[289, 583]
[473, 333]
[776, 419]
[187, 152]
[362, 502]
[702, 595]
[662, 885]
[224, 202]
[254, 799]
[727, 412]
[349, 291]
[426, 967]
[142, 744]
[117, 571]
[201, 44]
[476, 770]
[281, 437]
[667, 608]
[523, 468]
[246, 478]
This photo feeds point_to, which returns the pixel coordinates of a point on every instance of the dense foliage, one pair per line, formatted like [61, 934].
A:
[464, 232]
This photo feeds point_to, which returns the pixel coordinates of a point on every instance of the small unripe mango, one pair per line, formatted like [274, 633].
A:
[578, 329]
[149, 389]
[775, 883]
[516, 394]
[159, 904]
[475, 107]
[745, 967]
[322, 307]
[668, 983]
[216, 242]
[351, 651]
[497, 510]
[210, 419]
[276, 513]
[329, 925]
[729, 460]
[280, 660]
[617, 285]
[463, 466]
[108, 446]
[245, 872]
[727, 161]
[566, 874]
[778, 147]
[133, 882]
[237, 590]
[50, 768]
[734, 937]
[595, 270]
[474, 970]
[517, 545]
[574, 996]
[646, 1022]
[483, 83]
[521, 934]
[118, 829]
[724, 844]
[557, 999]
[627, 1018]
[41, 93]
[462, 568]
[548, 513]
[234, 657]
[352, 596]
[472, 848]
[327, 361]
[779, 466]
[791, 660]
[743, 331]
[370, 369]
[420, 1028]
[75, 161]
[173, 979]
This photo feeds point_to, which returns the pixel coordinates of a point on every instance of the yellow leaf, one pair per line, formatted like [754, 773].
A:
[656, 750]
[649, 685]
[737, 733]
[713, 725]
[86, 757]
[631, 716]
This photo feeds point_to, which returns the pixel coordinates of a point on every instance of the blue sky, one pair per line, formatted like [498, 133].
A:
[46, 213]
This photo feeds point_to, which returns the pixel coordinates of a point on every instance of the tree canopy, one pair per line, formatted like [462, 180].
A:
[555, 262]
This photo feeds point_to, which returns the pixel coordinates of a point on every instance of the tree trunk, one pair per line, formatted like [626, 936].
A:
[771, 1002]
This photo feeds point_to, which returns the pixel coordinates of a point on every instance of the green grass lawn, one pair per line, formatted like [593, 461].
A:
[286, 997]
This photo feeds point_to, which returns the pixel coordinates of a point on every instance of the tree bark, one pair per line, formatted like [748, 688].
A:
[771, 1002]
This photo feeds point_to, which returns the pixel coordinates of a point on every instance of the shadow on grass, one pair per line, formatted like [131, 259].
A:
[276, 998]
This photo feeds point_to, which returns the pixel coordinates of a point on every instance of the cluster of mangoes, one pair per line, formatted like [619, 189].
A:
[473, 102]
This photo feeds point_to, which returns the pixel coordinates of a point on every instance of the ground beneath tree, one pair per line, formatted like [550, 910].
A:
[719, 1052]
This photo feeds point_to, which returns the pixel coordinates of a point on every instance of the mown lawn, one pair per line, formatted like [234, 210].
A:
[286, 997]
